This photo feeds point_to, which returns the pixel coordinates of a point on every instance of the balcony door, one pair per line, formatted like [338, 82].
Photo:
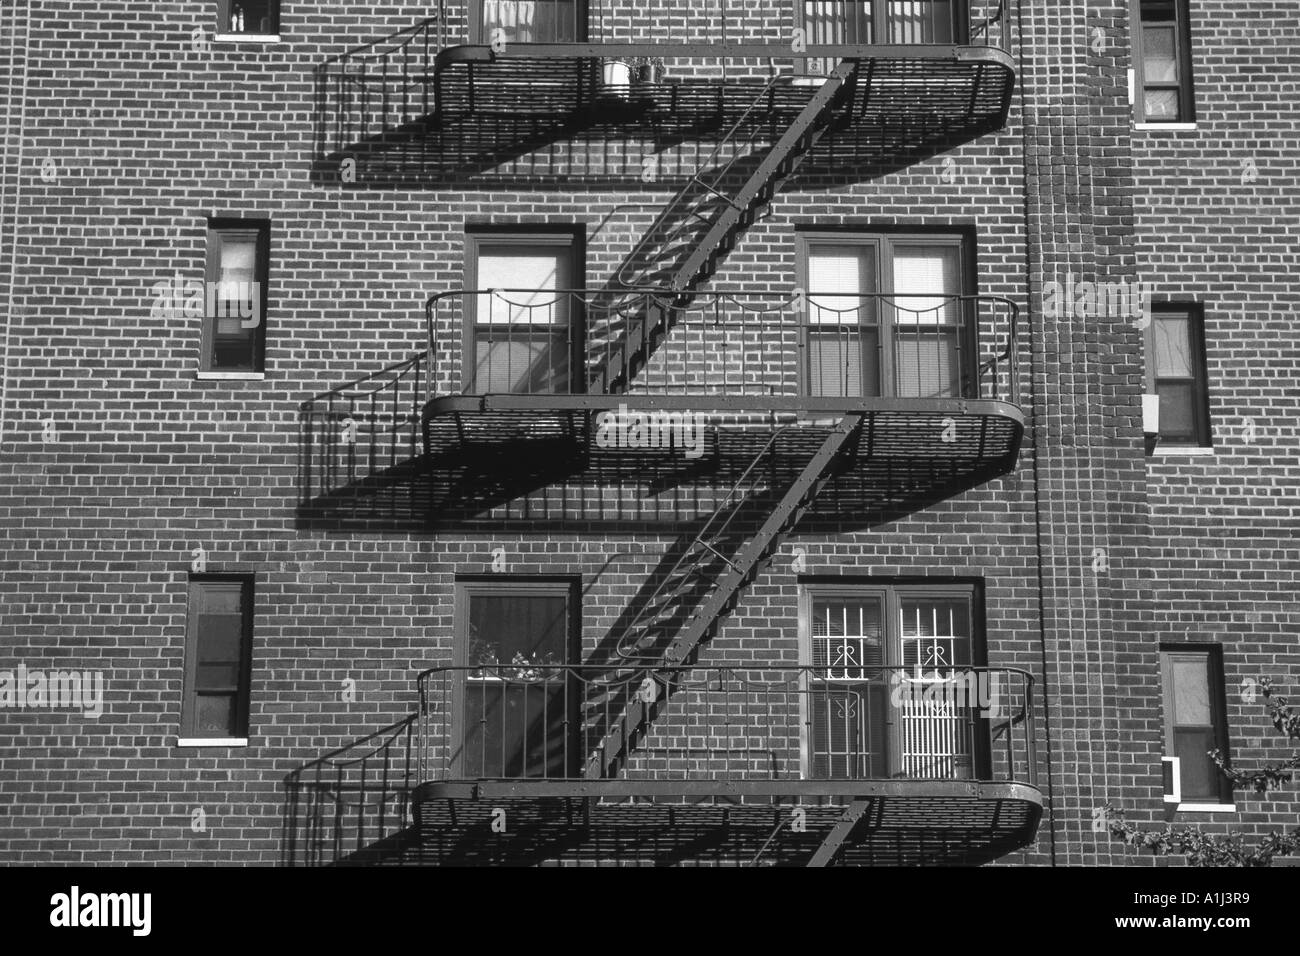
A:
[529, 21]
[874, 653]
[885, 317]
[523, 332]
[515, 702]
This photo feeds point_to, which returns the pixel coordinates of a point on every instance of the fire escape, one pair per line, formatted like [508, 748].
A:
[648, 750]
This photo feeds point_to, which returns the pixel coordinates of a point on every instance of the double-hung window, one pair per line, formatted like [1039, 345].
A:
[1195, 724]
[1176, 373]
[524, 334]
[218, 653]
[234, 325]
[886, 317]
[1162, 61]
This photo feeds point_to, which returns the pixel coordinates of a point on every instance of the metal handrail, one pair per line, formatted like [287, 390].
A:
[722, 723]
[726, 316]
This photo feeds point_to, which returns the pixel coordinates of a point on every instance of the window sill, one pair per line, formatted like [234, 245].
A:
[247, 38]
[1206, 808]
[1178, 451]
[230, 376]
[1172, 127]
[211, 741]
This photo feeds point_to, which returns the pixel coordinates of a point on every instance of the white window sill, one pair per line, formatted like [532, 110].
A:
[230, 376]
[211, 741]
[1178, 451]
[246, 38]
[1172, 127]
[1207, 808]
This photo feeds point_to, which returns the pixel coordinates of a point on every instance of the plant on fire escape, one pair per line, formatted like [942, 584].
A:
[1202, 849]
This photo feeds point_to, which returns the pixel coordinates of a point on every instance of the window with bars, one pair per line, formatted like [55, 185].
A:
[1162, 61]
[913, 340]
[874, 651]
[522, 341]
[218, 650]
[1176, 372]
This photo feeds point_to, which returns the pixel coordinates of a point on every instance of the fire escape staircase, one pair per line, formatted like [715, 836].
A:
[727, 217]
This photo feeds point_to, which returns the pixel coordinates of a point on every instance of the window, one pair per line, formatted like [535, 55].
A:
[1162, 61]
[533, 21]
[1175, 372]
[518, 703]
[863, 645]
[886, 318]
[1194, 707]
[524, 336]
[249, 17]
[218, 644]
[234, 325]
[826, 22]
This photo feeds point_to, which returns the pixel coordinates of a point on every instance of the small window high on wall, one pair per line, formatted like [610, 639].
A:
[1162, 61]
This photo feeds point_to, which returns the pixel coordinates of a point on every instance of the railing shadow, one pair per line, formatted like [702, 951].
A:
[352, 806]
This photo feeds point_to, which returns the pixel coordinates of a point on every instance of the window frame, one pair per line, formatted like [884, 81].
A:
[891, 595]
[884, 243]
[218, 231]
[512, 586]
[475, 17]
[243, 692]
[224, 30]
[1212, 656]
[571, 239]
[1182, 62]
[1194, 313]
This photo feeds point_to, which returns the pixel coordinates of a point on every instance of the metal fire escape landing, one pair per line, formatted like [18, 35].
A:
[442, 101]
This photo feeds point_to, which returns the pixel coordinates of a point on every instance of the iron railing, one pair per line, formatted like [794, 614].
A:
[543, 721]
[348, 801]
[389, 83]
[363, 428]
[828, 345]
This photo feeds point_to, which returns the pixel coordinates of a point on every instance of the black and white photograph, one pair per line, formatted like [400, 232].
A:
[726, 434]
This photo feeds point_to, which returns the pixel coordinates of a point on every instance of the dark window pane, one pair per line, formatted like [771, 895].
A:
[511, 629]
[1177, 417]
[252, 16]
[1200, 777]
[217, 716]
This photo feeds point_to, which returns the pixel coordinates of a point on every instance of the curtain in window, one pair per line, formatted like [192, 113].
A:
[843, 334]
[531, 21]
[521, 339]
[920, 21]
[927, 323]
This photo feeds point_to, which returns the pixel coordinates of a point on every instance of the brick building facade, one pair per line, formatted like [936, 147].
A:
[259, 567]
